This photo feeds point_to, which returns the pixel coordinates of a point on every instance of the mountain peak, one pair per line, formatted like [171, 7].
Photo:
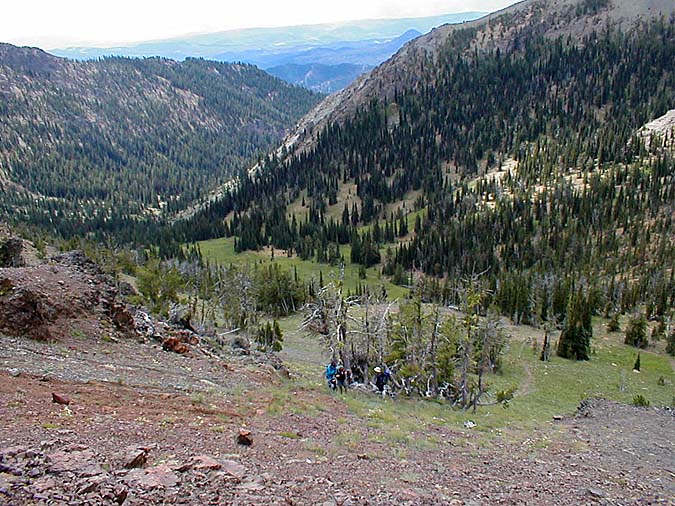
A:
[499, 30]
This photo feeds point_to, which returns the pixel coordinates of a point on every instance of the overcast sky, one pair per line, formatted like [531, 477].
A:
[59, 23]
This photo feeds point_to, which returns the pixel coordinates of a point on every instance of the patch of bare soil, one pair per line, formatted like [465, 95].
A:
[179, 416]
[96, 415]
[56, 299]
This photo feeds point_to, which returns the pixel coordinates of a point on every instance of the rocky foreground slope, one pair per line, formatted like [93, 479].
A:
[94, 413]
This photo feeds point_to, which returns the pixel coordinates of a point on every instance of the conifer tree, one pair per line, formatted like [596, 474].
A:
[575, 339]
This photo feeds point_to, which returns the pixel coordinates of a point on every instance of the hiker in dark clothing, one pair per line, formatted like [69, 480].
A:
[341, 378]
[381, 379]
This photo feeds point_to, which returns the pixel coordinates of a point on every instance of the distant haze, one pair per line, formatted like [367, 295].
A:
[51, 24]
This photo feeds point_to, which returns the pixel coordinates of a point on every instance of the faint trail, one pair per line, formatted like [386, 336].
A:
[527, 386]
[303, 355]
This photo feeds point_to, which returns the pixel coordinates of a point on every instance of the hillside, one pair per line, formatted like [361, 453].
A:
[102, 403]
[87, 145]
[317, 76]
[503, 29]
[106, 414]
[508, 146]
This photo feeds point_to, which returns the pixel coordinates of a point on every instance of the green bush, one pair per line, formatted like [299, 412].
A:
[640, 401]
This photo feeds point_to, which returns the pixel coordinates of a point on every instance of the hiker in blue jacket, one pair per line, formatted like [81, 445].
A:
[331, 369]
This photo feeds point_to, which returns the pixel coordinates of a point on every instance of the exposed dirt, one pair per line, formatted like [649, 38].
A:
[64, 296]
[136, 424]
[307, 447]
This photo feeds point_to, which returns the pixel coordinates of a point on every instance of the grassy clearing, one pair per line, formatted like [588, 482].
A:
[221, 251]
[543, 391]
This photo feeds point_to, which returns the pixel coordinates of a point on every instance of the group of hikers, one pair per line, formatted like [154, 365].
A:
[339, 378]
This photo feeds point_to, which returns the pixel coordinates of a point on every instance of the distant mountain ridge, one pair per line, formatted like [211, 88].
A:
[298, 54]
[284, 39]
[501, 29]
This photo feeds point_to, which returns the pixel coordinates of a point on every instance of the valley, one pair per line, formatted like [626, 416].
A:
[478, 232]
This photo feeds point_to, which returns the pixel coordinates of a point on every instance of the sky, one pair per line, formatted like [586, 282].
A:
[51, 24]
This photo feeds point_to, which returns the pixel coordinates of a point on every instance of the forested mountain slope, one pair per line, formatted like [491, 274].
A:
[504, 30]
[513, 143]
[83, 144]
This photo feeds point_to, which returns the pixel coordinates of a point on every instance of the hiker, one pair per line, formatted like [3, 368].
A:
[381, 379]
[341, 378]
[330, 374]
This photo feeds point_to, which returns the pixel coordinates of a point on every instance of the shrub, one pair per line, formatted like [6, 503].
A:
[636, 331]
[613, 323]
[640, 401]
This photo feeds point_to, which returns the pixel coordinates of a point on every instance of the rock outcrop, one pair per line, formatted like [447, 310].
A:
[66, 296]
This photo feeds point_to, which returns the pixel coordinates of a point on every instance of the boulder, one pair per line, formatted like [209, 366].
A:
[234, 469]
[244, 437]
[134, 456]
[80, 462]
[11, 252]
[174, 344]
[161, 476]
[24, 311]
[60, 399]
[204, 462]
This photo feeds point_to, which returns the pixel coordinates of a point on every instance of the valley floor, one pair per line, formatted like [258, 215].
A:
[184, 414]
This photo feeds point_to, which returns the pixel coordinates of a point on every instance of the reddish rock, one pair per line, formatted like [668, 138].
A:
[204, 462]
[234, 469]
[60, 399]
[23, 310]
[82, 463]
[161, 476]
[122, 318]
[173, 344]
[134, 456]
[244, 437]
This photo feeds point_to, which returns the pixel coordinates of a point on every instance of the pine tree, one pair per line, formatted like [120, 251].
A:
[670, 343]
[575, 339]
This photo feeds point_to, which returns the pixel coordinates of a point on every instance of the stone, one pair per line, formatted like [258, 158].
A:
[234, 469]
[15, 373]
[91, 484]
[174, 344]
[120, 493]
[597, 493]
[11, 250]
[13, 451]
[161, 476]
[43, 484]
[134, 457]
[204, 462]
[80, 462]
[60, 399]
[122, 318]
[244, 437]
[250, 486]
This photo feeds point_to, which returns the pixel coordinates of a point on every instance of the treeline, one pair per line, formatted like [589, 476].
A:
[588, 200]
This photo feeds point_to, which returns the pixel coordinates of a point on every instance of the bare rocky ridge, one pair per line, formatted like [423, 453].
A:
[662, 128]
[498, 30]
[65, 296]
